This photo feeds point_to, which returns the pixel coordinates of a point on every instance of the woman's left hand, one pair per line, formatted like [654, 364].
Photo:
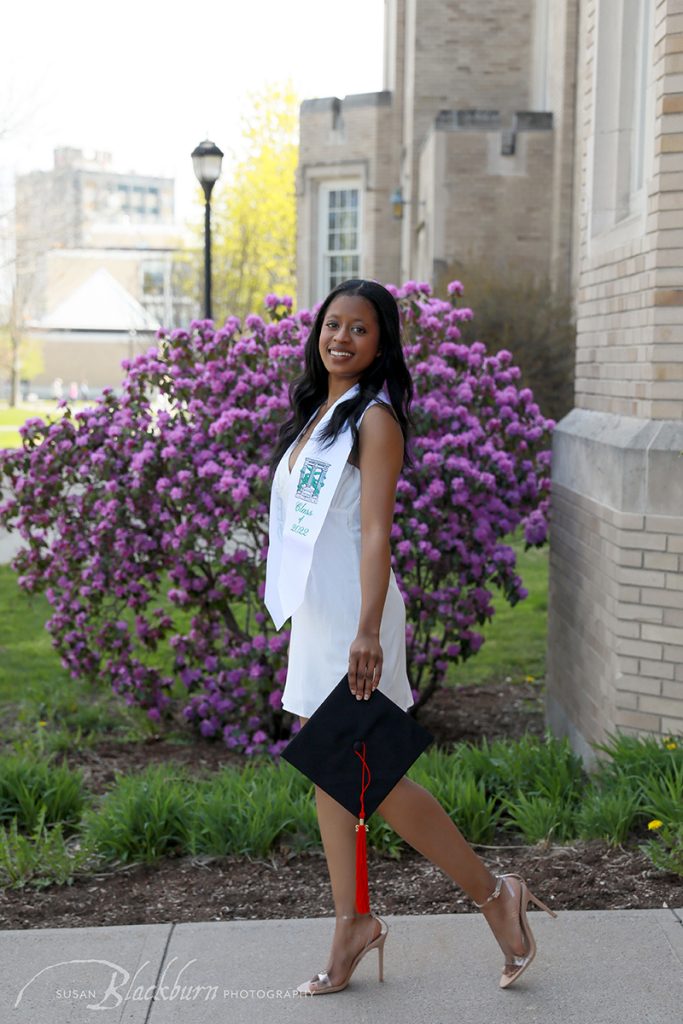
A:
[365, 665]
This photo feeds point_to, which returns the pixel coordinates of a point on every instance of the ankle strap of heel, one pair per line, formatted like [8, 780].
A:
[494, 895]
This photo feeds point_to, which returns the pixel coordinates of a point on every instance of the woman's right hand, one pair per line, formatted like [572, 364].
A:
[365, 665]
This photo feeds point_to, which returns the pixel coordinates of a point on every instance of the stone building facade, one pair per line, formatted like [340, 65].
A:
[549, 133]
[616, 606]
[471, 137]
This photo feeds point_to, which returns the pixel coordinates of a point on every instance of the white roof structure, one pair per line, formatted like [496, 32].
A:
[99, 304]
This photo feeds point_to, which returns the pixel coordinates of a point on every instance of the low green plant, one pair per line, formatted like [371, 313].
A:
[439, 772]
[543, 767]
[608, 815]
[479, 762]
[663, 793]
[43, 858]
[242, 813]
[535, 787]
[302, 832]
[475, 812]
[635, 756]
[144, 817]
[31, 787]
[540, 818]
[665, 849]
[383, 839]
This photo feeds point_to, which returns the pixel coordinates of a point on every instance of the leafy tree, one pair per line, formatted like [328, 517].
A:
[254, 213]
[19, 358]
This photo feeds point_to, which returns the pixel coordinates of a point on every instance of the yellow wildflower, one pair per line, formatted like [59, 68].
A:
[529, 679]
[671, 745]
[41, 722]
[652, 825]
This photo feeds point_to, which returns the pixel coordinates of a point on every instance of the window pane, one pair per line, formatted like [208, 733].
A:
[341, 235]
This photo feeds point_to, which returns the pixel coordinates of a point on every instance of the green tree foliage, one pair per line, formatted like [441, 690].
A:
[21, 358]
[254, 211]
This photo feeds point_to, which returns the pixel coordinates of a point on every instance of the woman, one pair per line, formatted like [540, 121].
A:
[329, 567]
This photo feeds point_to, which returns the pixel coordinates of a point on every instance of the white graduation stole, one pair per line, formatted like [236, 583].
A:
[296, 522]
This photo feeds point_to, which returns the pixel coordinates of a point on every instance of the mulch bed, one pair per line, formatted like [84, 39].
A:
[581, 876]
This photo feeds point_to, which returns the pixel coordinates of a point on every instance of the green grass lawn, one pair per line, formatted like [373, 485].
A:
[36, 692]
[11, 418]
[9, 438]
[26, 653]
[514, 640]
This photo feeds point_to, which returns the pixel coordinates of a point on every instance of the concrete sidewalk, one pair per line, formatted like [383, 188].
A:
[592, 967]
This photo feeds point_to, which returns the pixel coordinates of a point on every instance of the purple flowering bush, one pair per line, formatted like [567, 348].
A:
[145, 516]
[481, 463]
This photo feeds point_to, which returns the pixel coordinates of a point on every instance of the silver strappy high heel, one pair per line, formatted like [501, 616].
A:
[322, 983]
[517, 964]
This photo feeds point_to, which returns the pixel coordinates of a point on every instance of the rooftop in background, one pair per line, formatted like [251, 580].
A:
[99, 304]
[69, 156]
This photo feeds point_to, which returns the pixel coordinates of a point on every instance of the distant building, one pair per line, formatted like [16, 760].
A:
[467, 152]
[81, 217]
[81, 202]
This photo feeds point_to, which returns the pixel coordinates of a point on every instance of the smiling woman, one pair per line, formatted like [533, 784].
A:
[336, 470]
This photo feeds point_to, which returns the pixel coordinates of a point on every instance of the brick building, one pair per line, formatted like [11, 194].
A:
[472, 139]
[550, 134]
[616, 606]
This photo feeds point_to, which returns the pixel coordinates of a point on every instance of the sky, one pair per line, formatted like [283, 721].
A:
[147, 80]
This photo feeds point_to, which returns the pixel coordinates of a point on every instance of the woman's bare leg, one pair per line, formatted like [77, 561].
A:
[421, 821]
[419, 818]
[352, 931]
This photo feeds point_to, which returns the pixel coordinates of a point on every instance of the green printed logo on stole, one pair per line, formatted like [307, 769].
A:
[312, 479]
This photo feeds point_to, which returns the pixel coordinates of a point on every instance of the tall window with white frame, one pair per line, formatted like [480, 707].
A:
[340, 233]
[623, 100]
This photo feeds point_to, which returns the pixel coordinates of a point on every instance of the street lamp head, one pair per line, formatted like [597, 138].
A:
[207, 159]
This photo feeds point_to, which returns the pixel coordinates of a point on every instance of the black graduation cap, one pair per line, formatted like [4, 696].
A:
[357, 750]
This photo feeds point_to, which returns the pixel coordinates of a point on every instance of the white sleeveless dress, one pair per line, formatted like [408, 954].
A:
[326, 623]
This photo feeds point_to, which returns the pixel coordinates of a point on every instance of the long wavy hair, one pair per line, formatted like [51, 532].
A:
[388, 370]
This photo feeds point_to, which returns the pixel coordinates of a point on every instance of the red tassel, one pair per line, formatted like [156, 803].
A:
[362, 893]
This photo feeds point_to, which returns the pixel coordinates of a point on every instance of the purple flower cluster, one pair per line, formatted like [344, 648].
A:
[145, 516]
[481, 470]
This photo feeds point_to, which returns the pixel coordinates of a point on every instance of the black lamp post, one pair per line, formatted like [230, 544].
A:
[206, 159]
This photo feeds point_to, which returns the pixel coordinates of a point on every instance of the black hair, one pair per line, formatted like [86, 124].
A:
[389, 369]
